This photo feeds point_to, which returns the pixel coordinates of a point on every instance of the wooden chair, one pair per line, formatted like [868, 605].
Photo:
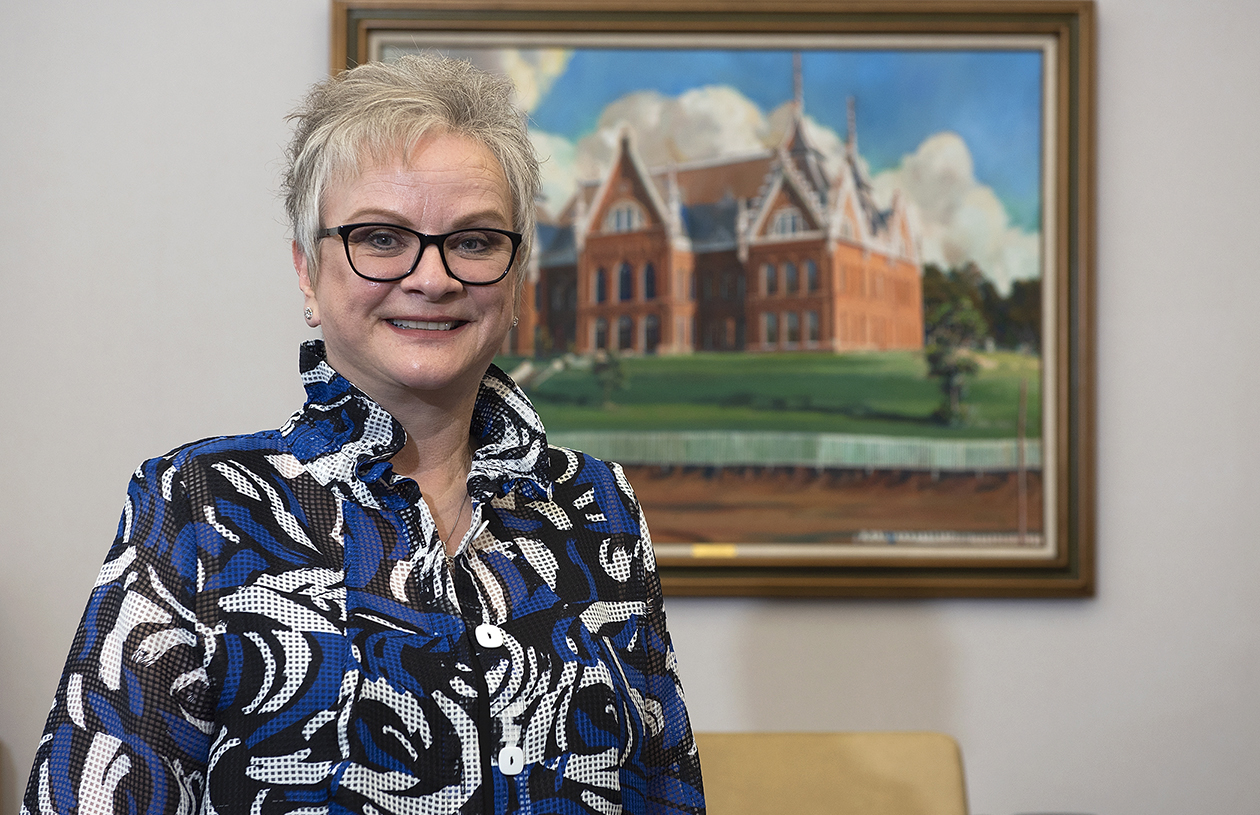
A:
[832, 774]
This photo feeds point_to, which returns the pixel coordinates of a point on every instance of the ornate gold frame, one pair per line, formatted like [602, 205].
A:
[1069, 377]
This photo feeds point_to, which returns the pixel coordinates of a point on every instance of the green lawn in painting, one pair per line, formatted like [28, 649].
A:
[877, 393]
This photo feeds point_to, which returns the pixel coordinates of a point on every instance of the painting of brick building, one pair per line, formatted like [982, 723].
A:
[757, 252]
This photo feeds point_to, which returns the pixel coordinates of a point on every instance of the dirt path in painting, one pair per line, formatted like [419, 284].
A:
[695, 506]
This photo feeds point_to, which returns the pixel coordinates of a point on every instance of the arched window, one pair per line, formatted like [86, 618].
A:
[601, 285]
[793, 326]
[625, 332]
[787, 221]
[649, 282]
[601, 333]
[791, 278]
[811, 275]
[770, 326]
[624, 216]
[811, 326]
[651, 333]
[625, 282]
[771, 275]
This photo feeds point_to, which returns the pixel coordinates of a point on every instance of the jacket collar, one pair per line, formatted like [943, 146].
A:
[345, 439]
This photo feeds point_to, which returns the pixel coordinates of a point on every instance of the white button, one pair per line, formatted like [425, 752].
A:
[511, 760]
[489, 636]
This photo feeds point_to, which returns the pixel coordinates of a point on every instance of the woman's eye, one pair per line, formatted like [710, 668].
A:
[383, 240]
[469, 243]
[379, 240]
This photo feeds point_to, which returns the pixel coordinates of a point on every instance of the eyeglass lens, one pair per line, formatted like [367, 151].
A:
[382, 252]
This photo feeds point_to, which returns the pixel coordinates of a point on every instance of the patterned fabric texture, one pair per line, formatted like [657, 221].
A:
[276, 629]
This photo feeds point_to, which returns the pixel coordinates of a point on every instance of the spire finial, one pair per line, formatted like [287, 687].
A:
[798, 84]
[852, 145]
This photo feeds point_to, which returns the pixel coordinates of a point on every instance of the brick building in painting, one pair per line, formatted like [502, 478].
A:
[757, 253]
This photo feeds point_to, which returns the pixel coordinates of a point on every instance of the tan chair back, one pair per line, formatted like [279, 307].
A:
[832, 774]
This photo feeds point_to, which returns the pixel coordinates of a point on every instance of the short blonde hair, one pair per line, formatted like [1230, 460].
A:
[379, 110]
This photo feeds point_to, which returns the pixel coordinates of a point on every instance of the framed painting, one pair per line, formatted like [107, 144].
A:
[819, 275]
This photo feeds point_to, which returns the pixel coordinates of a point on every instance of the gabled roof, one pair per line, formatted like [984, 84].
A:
[627, 157]
[805, 158]
[701, 200]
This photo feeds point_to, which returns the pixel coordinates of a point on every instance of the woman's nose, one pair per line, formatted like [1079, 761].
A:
[430, 276]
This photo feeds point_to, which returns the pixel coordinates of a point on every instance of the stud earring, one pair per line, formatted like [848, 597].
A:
[515, 320]
[309, 313]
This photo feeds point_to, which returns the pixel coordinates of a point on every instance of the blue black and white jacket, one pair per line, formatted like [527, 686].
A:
[277, 630]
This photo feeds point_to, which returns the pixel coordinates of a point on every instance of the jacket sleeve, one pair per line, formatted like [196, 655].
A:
[671, 764]
[128, 730]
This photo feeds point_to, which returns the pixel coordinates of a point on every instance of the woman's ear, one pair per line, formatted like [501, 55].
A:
[302, 265]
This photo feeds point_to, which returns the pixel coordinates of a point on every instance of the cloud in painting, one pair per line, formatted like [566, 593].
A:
[961, 219]
[702, 123]
[557, 160]
[532, 70]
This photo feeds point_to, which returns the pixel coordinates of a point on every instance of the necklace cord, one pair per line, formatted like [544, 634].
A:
[446, 543]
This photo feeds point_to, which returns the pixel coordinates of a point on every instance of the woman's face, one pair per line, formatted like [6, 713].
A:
[428, 334]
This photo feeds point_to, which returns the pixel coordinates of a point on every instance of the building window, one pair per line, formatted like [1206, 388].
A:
[811, 326]
[811, 275]
[771, 275]
[651, 333]
[625, 216]
[601, 333]
[601, 285]
[625, 282]
[793, 325]
[846, 229]
[625, 332]
[791, 278]
[787, 221]
[770, 326]
[649, 282]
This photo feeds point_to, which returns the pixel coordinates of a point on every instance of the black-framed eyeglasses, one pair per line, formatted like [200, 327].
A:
[387, 252]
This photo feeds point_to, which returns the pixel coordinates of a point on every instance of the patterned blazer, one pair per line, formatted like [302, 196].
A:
[277, 629]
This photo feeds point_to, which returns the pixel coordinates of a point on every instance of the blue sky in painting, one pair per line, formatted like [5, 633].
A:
[992, 99]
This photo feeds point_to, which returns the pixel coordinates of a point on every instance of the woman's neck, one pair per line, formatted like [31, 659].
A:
[438, 457]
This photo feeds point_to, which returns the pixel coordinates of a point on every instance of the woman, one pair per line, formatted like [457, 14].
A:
[403, 601]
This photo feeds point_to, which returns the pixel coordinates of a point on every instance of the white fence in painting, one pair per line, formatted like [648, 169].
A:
[820, 451]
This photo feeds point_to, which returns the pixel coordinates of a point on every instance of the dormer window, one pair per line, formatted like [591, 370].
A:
[787, 221]
[625, 216]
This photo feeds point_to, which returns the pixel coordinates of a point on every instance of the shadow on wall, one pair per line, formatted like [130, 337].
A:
[846, 665]
[11, 788]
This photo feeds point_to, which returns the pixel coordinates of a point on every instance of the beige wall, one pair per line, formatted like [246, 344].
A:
[146, 299]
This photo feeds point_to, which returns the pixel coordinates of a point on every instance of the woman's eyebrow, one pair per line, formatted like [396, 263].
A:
[484, 218]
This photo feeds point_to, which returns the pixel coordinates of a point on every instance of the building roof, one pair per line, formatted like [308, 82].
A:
[709, 194]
